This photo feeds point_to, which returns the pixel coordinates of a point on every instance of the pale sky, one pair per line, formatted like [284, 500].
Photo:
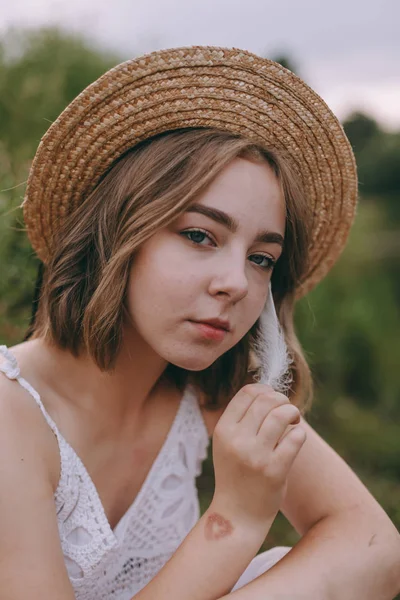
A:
[347, 50]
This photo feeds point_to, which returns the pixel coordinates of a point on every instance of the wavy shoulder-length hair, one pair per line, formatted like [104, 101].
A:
[81, 305]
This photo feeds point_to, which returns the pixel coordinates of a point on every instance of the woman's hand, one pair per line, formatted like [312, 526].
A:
[255, 443]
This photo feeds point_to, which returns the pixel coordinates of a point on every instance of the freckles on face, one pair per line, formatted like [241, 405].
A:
[201, 267]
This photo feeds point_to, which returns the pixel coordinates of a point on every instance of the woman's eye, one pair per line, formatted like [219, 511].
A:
[265, 262]
[197, 236]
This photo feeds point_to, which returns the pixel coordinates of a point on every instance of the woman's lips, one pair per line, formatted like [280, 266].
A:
[210, 332]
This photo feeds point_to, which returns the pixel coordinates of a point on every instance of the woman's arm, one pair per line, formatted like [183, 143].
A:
[210, 560]
[253, 451]
[31, 560]
[350, 549]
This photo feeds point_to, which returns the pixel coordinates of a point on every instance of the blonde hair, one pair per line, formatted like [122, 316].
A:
[82, 300]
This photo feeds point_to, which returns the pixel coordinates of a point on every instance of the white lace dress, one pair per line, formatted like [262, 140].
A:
[105, 563]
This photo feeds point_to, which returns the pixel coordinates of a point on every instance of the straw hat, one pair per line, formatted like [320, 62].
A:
[228, 89]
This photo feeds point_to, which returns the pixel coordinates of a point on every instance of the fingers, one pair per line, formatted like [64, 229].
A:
[290, 446]
[265, 402]
[258, 412]
[276, 423]
[241, 402]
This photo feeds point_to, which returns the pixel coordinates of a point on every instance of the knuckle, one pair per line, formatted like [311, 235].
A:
[262, 392]
[292, 412]
[296, 437]
[274, 473]
[253, 389]
[258, 464]
[219, 428]
[251, 460]
[258, 409]
[298, 434]
[276, 399]
[223, 432]
[274, 418]
[239, 447]
[282, 398]
[285, 412]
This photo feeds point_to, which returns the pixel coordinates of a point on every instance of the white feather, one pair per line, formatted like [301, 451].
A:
[272, 351]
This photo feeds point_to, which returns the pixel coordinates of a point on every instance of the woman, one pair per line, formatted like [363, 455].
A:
[175, 204]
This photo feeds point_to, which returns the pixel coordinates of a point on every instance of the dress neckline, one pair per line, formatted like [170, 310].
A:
[118, 531]
[115, 535]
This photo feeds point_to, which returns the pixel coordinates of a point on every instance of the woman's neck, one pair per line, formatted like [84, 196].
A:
[116, 397]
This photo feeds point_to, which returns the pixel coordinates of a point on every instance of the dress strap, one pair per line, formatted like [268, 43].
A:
[10, 368]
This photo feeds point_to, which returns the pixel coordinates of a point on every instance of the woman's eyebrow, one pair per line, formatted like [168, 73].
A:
[268, 237]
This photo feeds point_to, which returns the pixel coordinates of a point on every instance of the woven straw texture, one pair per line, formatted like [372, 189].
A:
[228, 89]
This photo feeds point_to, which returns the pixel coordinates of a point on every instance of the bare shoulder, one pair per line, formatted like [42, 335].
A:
[28, 463]
[23, 428]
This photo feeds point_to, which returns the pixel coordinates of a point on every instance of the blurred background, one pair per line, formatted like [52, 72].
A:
[349, 52]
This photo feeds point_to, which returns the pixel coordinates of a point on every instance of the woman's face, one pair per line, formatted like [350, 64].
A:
[213, 262]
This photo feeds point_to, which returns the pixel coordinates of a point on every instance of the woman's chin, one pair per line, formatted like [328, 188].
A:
[192, 363]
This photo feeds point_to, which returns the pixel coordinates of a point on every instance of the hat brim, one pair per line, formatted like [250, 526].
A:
[227, 89]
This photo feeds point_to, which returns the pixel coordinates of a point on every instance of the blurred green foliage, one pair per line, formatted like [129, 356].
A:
[349, 325]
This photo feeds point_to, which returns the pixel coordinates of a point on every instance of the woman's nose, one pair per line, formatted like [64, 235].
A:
[230, 280]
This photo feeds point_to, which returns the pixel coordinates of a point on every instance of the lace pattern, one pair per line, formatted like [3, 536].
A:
[103, 563]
